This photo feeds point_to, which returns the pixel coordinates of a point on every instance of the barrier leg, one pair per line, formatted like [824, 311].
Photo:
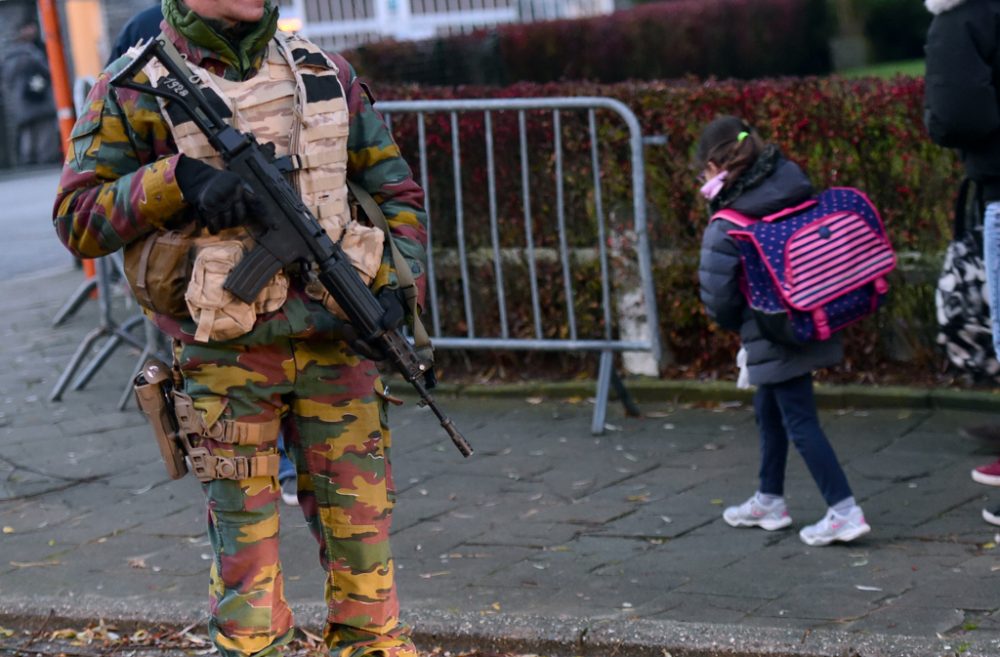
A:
[74, 302]
[604, 372]
[118, 335]
[624, 396]
[74, 363]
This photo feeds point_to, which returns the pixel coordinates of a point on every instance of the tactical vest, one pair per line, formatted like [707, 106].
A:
[297, 103]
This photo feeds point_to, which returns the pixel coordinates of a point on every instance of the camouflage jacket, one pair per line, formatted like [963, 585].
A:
[118, 182]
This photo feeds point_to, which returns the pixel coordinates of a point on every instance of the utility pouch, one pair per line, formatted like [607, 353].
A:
[219, 314]
[363, 246]
[153, 386]
[157, 268]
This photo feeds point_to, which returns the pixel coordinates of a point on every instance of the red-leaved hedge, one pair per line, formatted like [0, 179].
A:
[866, 133]
[660, 40]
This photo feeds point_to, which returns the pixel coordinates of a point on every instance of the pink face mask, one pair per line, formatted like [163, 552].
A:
[712, 188]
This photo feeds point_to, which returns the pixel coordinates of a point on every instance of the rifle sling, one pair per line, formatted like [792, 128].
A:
[404, 275]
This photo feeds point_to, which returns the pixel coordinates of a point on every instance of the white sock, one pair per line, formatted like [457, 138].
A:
[766, 499]
[844, 506]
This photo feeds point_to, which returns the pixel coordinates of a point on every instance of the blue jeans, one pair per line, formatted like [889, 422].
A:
[787, 410]
[991, 257]
[286, 469]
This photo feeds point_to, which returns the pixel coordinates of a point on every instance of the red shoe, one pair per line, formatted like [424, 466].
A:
[988, 474]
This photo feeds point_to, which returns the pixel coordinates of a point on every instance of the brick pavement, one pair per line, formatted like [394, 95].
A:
[547, 539]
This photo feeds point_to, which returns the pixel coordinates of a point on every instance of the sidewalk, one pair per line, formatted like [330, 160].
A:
[548, 540]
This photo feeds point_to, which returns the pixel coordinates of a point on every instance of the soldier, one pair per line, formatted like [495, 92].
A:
[140, 177]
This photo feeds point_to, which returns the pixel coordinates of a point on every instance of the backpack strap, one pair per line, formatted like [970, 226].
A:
[787, 212]
[421, 341]
[738, 218]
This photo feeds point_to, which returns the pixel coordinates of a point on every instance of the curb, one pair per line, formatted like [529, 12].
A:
[676, 391]
[552, 636]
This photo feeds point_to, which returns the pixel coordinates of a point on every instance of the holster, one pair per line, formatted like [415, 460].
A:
[174, 418]
[153, 392]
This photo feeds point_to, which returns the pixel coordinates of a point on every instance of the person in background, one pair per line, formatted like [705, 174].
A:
[962, 111]
[27, 92]
[742, 173]
[141, 28]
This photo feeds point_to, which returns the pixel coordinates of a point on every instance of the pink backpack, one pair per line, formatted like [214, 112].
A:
[813, 269]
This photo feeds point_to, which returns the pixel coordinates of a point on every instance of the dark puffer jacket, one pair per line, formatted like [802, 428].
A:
[962, 98]
[719, 269]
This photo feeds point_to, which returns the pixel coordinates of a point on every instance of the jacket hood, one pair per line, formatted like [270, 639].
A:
[941, 6]
[788, 185]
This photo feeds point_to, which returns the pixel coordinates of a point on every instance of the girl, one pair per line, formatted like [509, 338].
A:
[742, 173]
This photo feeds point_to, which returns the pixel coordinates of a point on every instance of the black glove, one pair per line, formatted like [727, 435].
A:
[220, 198]
[393, 302]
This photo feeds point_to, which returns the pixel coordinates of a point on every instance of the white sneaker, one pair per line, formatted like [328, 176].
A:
[289, 491]
[835, 527]
[754, 514]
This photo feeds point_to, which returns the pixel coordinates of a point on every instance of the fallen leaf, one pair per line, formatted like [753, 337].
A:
[5, 633]
[644, 497]
[437, 574]
[534, 401]
[989, 546]
[716, 502]
[496, 606]
[34, 564]
[63, 634]
[137, 562]
[8, 530]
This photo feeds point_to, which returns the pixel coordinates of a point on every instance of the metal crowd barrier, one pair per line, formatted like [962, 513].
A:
[606, 343]
[110, 330]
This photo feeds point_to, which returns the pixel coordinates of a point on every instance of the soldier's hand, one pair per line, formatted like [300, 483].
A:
[220, 198]
[393, 303]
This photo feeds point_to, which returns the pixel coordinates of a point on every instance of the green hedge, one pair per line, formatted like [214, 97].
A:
[866, 133]
[661, 40]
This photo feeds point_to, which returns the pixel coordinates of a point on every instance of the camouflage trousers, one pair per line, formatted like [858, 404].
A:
[335, 432]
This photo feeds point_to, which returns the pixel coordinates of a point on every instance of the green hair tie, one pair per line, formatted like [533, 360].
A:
[743, 135]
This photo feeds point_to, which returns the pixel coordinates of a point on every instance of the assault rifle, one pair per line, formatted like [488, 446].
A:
[288, 233]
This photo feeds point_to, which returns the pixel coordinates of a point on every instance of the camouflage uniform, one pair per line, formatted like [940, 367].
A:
[118, 185]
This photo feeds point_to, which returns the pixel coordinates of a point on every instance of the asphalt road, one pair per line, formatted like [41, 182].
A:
[29, 242]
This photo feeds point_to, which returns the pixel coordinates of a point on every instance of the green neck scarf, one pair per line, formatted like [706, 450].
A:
[239, 48]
